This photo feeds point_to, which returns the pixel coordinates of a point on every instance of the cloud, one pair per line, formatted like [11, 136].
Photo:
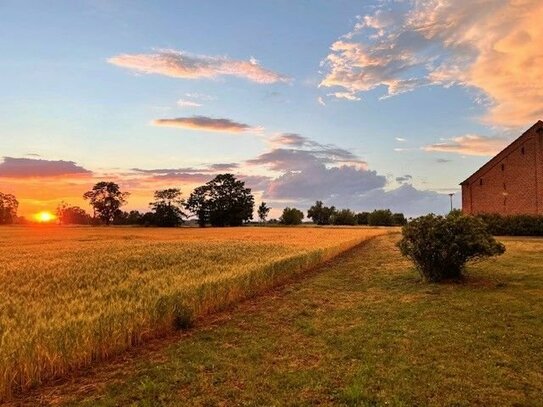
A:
[404, 178]
[308, 171]
[188, 103]
[179, 64]
[321, 101]
[470, 144]
[491, 46]
[316, 181]
[37, 168]
[224, 166]
[290, 139]
[345, 95]
[399, 139]
[406, 199]
[206, 124]
[442, 160]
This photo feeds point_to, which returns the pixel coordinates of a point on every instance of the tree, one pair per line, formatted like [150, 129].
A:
[291, 216]
[8, 208]
[134, 218]
[263, 211]
[72, 215]
[380, 217]
[441, 246]
[223, 201]
[106, 200]
[320, 214]
[344, 217]
[198, 204]
[398, 219]
[362, 218]
[167, 208]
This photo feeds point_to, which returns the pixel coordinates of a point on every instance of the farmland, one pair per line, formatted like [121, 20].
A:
[70, 296]
[361, 330]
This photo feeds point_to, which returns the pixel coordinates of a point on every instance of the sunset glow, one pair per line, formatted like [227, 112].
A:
[389, 104]
[44, 217]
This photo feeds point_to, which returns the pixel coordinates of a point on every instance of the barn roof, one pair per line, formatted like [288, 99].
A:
[538, 126]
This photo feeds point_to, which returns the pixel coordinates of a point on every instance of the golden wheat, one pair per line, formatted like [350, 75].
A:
[69, 296]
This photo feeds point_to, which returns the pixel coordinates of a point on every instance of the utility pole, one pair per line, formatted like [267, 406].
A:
[451, 196]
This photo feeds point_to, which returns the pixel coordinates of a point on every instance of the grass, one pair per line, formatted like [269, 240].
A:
[360, 331]
[71, 296]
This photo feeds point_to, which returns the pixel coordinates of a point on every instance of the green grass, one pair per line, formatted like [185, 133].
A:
[362, 330]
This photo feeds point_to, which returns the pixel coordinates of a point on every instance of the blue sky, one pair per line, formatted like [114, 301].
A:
[65, 98]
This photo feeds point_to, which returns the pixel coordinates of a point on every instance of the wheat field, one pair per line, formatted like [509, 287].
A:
[70, 296]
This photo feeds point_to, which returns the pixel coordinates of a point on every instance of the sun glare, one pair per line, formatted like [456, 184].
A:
[44, 217]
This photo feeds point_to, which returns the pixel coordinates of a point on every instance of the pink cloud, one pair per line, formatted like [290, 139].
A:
[206, 124]
[38, 168]
[470, 144]
[180, 64]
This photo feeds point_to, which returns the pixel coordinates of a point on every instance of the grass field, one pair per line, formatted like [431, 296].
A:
[361, 330]
[70, 296]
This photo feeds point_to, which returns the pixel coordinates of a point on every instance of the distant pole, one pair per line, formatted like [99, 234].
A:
[451, 196]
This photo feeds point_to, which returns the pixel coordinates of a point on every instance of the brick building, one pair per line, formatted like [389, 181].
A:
[512, 181]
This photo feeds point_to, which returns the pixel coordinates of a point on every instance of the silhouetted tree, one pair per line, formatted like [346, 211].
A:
[291, 216]
[223, 201]
[320, 214]
[198, 204]
[263, 211]
[106, 200]
[344, 217]
[147, 219]
[167, 208]
[8, 208]
[72, 215]
[134, 218]
[362, 218]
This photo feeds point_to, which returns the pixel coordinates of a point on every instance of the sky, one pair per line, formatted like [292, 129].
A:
[360, 104]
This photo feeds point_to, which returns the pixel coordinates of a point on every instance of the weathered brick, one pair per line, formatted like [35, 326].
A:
[511, 182]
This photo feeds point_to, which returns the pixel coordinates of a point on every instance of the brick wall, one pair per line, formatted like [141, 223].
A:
[512, 182]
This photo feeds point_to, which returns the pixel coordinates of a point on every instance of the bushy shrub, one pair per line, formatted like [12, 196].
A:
[398, 219]
[380, 217]
[513, 225]
[441, 246]
[344, 217]
[291, 216]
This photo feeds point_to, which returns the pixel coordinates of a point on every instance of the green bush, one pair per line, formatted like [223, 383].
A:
[344, 217]
[291, 216]
[441, 246]
[380, 217]
[513, 225]
[362, 218]
[398, 219]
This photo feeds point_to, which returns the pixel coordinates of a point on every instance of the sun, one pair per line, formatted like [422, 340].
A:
[44, 217]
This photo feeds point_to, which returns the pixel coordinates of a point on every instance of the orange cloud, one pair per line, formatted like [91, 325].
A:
[470, 144]
[493, 46]
[180, 64]
[206, 124]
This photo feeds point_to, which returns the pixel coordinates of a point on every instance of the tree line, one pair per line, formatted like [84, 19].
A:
[223, 201]
[324, 215]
